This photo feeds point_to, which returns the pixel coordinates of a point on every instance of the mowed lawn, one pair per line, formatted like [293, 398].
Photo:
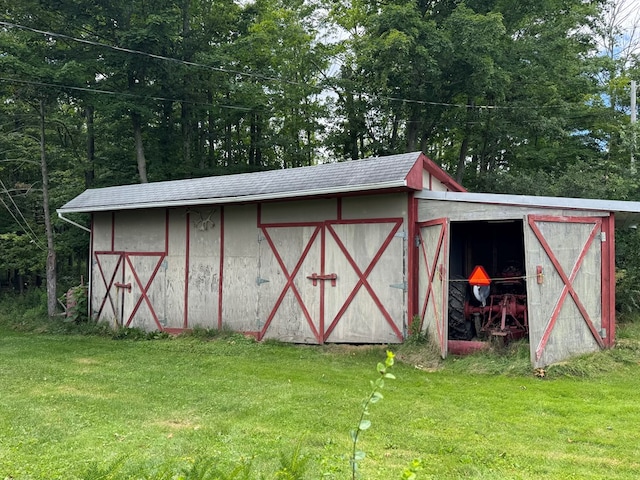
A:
[70, 404]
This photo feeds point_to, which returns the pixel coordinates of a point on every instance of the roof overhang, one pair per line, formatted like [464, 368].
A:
[627, 214]
[322, 192]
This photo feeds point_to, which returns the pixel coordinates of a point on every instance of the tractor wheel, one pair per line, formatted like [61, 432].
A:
[459, 327]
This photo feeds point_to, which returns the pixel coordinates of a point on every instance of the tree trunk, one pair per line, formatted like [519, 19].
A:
[185, 114]
[89, 173]
[211, 125]
[51, 253]
[140, 158]
[464, 147]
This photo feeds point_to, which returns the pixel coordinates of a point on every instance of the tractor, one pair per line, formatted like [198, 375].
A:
[491, 310]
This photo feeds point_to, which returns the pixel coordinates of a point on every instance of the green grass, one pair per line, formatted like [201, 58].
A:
[85, 406]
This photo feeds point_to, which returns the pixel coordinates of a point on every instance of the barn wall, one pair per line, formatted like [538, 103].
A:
[299, 211]
[101, 231]
[248, 268]
[375, 206]
[203, 267]
[171, 307]
[241, 268]
[430, 182]
[140, 231]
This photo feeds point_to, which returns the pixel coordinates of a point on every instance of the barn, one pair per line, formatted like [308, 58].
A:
[355, 252]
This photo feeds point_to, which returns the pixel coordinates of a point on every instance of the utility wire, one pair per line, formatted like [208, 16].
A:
[151, 55]
[117, 94]
[237, 72]
[28, 230]
[246, 109]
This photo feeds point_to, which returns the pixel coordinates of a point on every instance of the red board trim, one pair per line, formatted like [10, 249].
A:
[412, 264]
[567, 280]
[444, 178]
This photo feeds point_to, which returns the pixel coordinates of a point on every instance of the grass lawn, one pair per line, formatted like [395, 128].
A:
[73, 405]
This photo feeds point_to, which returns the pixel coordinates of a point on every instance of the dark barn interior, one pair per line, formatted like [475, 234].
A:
[500, 310]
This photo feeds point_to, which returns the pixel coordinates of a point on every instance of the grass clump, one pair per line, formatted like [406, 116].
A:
[512, 359]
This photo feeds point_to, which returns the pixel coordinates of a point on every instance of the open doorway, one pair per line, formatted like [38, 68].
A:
[499, 311]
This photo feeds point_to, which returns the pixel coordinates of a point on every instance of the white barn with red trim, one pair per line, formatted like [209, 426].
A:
[346, 252]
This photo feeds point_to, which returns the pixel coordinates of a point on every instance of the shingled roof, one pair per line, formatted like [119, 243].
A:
[378, 173]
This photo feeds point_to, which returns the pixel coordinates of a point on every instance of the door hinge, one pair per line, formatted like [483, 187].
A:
[260, 281]
[417, 240]
[603, 236]
[402, 286]
[402, 235]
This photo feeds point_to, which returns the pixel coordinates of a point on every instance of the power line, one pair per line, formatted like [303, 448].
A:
[152, 55]
[233, 72]
[28, 230]
[118, 94]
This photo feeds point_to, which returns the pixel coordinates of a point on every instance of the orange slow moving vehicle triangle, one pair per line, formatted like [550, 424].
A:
[479, 277]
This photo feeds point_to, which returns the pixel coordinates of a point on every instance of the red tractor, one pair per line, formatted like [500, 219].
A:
[497, 310]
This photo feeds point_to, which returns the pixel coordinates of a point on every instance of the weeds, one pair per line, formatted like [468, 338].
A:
[364, 423]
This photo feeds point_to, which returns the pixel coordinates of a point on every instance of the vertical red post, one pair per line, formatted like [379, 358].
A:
[412, 264]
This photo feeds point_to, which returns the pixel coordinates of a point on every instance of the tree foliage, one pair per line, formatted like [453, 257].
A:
[508, 96]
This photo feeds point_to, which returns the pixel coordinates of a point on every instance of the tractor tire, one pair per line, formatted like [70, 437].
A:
[459, 327]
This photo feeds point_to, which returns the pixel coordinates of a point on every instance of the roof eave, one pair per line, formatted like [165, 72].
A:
[534, 201]
[240, 199]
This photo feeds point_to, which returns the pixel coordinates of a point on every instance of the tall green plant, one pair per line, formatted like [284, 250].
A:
[374, 397]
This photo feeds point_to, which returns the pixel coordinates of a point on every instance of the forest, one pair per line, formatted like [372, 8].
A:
[509, 96]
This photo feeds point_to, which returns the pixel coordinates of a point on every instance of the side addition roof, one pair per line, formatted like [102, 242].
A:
[400, 172]
[627, 214]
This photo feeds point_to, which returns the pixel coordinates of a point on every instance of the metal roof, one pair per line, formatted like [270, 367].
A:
[357, 175]
[627, 213]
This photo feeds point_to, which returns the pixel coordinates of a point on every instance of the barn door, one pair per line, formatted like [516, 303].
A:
[433, 280]
[288, 302]
[564, 287]
[366, 302]
[107, 296]
[126, 288]
[340, 281]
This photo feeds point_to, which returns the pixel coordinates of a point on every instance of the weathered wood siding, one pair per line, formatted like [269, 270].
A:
[241, 270]
[204, 267]
[102, 308]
